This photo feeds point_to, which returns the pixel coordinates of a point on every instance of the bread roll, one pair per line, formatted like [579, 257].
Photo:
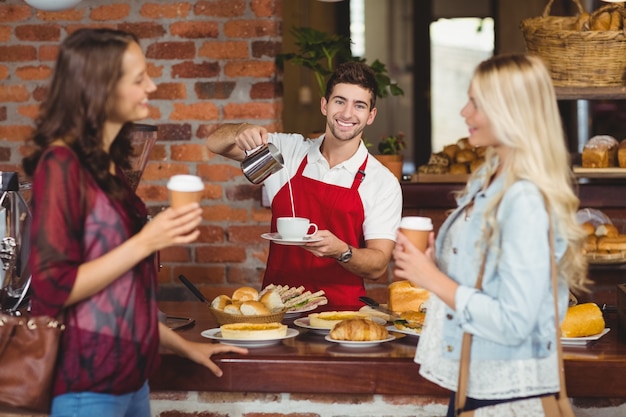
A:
[589, 228]
[612, 244]
[253, 331]
[220, 302]
[601, 21]
[253, 308]
[582, 23]
[451, 150]
[591, 244]
[232, 308]
[616, 20]
[458, 169]
[328, 319]
[607, 230]
[404, 296]
[463, 143]
[439, 159]
[272, 300]
[621, 154]
[358, 330]
[476, 163]
[600, 152]
[582, 320]
[245, 294]
[464, 156]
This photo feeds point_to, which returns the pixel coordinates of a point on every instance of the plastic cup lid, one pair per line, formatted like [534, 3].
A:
[185, 183]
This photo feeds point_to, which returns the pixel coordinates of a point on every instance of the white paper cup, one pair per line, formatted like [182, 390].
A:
[417, 230]
[185, 189]
[294, 228]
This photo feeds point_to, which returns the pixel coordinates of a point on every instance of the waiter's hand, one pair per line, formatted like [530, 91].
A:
[330, 245]
[250, 136]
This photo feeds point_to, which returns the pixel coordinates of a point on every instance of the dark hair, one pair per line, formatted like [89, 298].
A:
[87, 69]
[356, 73]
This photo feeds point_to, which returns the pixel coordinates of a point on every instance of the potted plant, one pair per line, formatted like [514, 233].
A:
[390, 153]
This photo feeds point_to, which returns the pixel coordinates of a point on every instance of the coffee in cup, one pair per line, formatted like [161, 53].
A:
[185, 189]
[417, 230]
[294, 228]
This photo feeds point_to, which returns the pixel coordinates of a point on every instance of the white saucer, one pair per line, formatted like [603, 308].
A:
[276, 238]
[393, 328]
[582, 341]
[361, 344]
[216, 334]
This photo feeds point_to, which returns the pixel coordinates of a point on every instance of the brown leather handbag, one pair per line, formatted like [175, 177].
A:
[28, 354]
[554, 405]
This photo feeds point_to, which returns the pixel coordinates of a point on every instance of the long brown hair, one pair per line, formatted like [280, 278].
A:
[88, 67]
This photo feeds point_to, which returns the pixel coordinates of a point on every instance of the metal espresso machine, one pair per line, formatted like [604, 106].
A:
[15, 220]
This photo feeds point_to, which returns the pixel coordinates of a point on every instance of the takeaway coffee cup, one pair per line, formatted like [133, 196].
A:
[295, 228]
[417, 230]
[184, 189]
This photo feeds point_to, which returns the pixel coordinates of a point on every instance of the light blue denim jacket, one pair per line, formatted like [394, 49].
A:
[513, 316]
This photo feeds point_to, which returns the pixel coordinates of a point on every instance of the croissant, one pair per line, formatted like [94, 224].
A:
[358, 330]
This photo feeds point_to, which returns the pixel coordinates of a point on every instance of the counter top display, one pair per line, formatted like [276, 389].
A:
[307, 363]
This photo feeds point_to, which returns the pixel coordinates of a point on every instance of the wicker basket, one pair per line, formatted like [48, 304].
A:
[225, 318]
[577, 58]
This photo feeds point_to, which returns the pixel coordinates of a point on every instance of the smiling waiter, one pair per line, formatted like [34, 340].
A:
[355, 201]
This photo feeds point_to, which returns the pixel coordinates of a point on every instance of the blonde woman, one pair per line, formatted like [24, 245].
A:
[502, 213]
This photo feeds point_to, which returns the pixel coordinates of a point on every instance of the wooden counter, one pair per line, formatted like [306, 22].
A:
[310, 364]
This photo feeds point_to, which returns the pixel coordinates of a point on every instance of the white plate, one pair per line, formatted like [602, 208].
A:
[406, 332]
[364, 344]
[275, 237]
[216, 334]
[304, 322]
[290, 314]
[582, 341]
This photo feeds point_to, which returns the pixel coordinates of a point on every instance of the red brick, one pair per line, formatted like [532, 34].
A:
[266, 8]
[266, 90]
[5, 33]
[211, 234]
[220, 8]
[155, 113]
[247, 234]
[74, 15]
[174, 132]
[175, 254]
[4, 72]
[252, 276]
[236, 69]
[14, 13]
[15, 133]
[214, 90]
[16, 53]
[219, 172]
[167, 11]
[117, 11]
[260, 28]
[220, 254]
[5, 154]
[247, 111]
[38, 33]
[152, 192]
[163, 170]
[159, 153]
[195, 30]
[224, 50]
[39, 93]
[195, 70]
[74, 27]
[189, 152]
[40, 72]
[29, 110]
[169, 91]
[196, 111]
[164, 276]
[15, 93]
[224, 213]
[208, 274]
[48, 52]
[3, 113]
[244, 192]
[171, 50]
[144, 30]
[204, 130]
[265, 48]
[155, 71]
[261, 214]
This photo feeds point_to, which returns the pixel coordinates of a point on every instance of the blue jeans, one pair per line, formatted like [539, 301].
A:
[92, 404]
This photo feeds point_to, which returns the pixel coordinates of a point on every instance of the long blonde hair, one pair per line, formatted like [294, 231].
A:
[516, 94]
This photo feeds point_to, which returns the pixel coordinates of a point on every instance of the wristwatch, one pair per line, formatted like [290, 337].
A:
[346, 256]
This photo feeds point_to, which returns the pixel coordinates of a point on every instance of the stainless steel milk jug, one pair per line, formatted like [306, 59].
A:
[261, 163]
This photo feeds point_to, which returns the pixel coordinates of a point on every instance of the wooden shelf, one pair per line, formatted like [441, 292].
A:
[591, 93]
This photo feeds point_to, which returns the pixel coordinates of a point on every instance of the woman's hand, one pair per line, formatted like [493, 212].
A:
[171, 227]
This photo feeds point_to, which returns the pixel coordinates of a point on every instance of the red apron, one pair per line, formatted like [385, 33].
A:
[332, 208]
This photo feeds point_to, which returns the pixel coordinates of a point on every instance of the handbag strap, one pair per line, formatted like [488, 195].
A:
[461, 392]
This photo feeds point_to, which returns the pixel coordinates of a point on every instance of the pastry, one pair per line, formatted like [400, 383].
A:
[328, 319]
[245, 294]
[458, 169]
[600, 152]
[582, 320]
[607, 230]
[621, 154]
[359, 330]
[253, 308]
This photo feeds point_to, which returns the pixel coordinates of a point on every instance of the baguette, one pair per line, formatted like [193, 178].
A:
[253, 331]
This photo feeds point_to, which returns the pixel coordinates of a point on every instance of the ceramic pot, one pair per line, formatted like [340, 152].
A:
[393, 163]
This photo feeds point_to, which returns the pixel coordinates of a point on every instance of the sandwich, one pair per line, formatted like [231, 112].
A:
[410, 321]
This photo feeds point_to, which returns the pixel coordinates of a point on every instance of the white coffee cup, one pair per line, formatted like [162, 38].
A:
[417, 230]
[185, 189]
[294, 228]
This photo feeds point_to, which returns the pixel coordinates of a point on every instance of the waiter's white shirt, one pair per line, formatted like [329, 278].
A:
[380, 191]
